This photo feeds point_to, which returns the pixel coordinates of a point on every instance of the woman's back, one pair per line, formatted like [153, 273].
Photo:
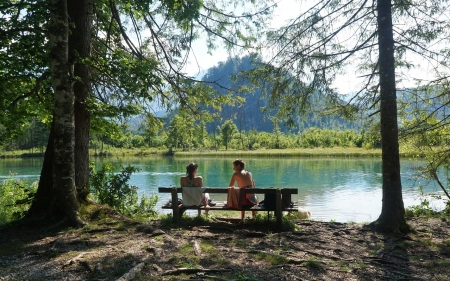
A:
[188, 182]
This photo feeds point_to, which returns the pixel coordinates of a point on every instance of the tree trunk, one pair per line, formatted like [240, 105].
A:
[392, 217]
[64, 200]
[80, 12]
[43, 198]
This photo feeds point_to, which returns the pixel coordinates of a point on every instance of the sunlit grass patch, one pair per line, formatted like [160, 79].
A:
[312, 262]
[121, 265]
[403, 245]
[429, 243]
[240, 243]
[446, 244]
[414, 258]
[189, 262]
[359, 265]
[271, 259]
[214, 258]
[186, 249]
[245, 277]
[436, 265]
[167, 220]
[207, 247]
[342, 265]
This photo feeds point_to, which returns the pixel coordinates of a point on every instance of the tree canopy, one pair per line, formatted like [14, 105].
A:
[376, 39]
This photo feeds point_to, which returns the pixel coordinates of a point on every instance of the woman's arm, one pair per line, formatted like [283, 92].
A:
[199, 181]
[251, 179]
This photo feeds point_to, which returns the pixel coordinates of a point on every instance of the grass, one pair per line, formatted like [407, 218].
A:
[297, 152]
[120, 266]
[292, 152]
[271, 259]
[312, 262]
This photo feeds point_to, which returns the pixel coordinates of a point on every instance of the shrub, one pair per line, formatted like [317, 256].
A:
[113, 189]
[423, 209]
[15, 199]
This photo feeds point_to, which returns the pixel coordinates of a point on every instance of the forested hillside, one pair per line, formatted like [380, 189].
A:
[252, 113]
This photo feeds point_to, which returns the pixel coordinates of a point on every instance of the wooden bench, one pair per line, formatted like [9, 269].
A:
[282, 195]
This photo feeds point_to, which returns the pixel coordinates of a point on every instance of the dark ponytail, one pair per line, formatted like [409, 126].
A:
[190, 170]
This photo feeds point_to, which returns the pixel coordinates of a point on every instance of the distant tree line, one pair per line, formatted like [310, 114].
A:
[180, 134]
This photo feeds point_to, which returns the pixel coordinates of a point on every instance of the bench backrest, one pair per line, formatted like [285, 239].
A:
[225, 190]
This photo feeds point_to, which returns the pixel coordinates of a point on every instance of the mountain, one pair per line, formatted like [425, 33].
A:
[250, 115]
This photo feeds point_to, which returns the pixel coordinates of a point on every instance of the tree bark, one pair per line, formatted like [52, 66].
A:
[43, 198]
[392, 217]
[80, 13]
[64, 200]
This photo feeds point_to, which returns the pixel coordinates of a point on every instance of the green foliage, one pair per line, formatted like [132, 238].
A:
[147, 207]
[315, 137]
[423, 209]
[227, 132]
[270, 221]
[180, 132]
[15, 199]
[446, 210]
[113, 189]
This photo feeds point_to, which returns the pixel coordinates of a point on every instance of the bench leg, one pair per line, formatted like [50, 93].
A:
[175, 209]
[278, 212]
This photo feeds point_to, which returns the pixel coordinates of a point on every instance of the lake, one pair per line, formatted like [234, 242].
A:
[339, 189]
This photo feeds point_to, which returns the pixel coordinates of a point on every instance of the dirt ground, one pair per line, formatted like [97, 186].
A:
[120, 249]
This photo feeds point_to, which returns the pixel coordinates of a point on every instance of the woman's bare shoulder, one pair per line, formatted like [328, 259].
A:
[198, 181]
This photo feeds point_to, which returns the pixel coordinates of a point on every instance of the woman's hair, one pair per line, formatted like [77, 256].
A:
[239, 162]
[190, 169]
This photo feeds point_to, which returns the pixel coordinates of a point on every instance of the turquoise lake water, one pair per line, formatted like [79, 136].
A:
[340, 189]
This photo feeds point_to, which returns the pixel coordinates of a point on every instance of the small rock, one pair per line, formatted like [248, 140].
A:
[157, 268]
[145, 228]
[157, 232]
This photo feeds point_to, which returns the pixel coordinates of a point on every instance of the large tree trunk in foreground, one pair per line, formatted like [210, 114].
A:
[64, 200]
[392, 217]
[43, 198]
[80, 13]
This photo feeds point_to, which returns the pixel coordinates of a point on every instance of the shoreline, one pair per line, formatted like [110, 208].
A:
[287, 153]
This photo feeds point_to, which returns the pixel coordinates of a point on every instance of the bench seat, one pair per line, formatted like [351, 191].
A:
[220, 206]
[282, 195]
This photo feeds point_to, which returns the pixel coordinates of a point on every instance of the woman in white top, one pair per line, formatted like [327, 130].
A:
[192, 180]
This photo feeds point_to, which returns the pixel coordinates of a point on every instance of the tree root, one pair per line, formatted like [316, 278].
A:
[132, 273]
[193, 270]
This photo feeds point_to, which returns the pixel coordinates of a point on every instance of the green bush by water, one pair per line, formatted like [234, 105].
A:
[425, 210]
[15, 199]
[113, 189]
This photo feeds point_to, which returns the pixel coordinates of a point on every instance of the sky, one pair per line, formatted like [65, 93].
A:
[200, 60]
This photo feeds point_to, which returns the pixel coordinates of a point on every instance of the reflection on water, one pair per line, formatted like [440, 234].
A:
[339, 189]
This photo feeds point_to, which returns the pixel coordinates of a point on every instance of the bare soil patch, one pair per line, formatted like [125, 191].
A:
[121, 249]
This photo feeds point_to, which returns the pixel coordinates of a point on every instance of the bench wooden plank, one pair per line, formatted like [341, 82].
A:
[222, 207]
[225, 190]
